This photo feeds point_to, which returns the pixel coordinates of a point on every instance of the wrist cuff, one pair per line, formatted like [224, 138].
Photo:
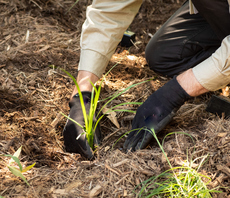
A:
[172, 93]
[84, 93]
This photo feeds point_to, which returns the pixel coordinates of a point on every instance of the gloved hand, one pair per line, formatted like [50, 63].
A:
[72, 131]
[156, 112]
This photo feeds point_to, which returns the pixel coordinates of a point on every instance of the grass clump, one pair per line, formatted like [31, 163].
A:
[178, 182]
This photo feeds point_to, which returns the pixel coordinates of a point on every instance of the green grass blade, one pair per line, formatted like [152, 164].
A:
[122, 110]
[99, 88]
[120, 93]
[179, 132]
[89, 130]
[154, 135]
[124, 135]
[97, 122]
[72, 120]
[28, 167]
[14, 158]
[80, 135]
[80, 97]
[72, 6]
[93, 107]
[18, 173]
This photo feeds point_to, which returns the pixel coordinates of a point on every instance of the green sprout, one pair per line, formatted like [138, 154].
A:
[18, 171]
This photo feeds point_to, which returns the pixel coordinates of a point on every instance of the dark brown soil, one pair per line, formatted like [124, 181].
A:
[36, 35]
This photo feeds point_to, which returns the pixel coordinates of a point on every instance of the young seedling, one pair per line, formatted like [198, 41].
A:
[18, 171]
[90, 125]
[179, 182]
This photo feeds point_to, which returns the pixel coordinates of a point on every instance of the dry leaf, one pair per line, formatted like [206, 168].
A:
[179, 161]
[147, 172]
[95, 191]
[72, 185]
[60, 191]
[222, 134]
[114, 120]
[111, 116]
[107, 148]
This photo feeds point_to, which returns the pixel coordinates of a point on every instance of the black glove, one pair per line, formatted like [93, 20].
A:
[156, 112]
[72, 130]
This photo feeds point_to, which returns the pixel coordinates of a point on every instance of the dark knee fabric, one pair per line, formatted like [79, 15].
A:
[183, 41]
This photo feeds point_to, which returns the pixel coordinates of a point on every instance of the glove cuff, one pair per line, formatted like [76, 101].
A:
[172, 93]
[84, 93]
[76, 98]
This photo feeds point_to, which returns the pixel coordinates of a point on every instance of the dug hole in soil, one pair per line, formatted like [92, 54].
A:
[36, 34]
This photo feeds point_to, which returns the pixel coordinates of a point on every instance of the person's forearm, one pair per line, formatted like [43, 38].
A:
[84, 79]
[189, 83]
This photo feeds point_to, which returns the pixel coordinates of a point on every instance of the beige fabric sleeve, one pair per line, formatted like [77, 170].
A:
[214, 72]
[193, 10]
[106, 21]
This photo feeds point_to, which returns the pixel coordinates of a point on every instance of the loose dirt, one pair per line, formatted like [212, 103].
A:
[37, 35]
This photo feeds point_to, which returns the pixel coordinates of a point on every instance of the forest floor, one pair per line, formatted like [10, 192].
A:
[35, 34]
